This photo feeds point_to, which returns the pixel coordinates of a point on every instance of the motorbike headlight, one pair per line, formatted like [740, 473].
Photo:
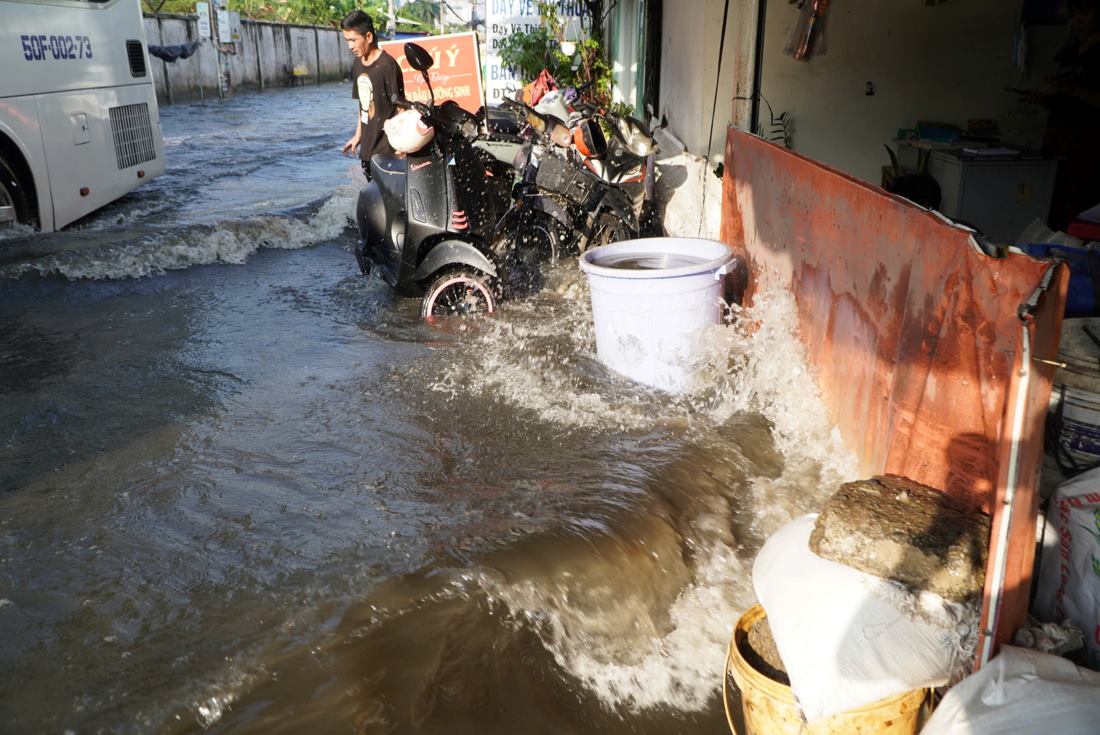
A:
[536, 122]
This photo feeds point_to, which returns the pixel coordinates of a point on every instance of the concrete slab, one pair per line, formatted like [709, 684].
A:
[907, 532]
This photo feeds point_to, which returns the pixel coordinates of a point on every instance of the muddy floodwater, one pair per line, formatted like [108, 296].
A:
[244, 489]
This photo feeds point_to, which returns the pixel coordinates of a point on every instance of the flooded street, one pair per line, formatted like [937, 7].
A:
[245, 489]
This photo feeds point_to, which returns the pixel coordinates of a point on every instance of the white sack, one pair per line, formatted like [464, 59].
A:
[1069, 578]
[1021, 692]
[842, 636]
[407, 132]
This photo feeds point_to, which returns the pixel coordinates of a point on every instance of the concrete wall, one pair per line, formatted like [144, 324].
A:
[948, 62]
[265, 52]
[691, 34]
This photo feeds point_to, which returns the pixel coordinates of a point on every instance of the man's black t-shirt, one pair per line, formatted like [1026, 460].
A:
[373, 86]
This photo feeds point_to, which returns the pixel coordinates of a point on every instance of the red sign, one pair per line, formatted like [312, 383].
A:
[455, 75]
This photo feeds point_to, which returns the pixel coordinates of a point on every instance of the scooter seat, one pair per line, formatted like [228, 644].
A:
[390, 164]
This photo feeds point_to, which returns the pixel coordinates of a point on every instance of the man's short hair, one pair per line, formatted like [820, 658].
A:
[359, 22]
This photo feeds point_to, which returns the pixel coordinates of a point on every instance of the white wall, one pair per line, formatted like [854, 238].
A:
[690, 40]
[948, 63]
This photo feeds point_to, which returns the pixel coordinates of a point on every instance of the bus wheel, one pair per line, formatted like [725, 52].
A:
[14, 204]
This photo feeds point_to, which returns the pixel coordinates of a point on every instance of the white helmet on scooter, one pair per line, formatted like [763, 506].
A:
[407, 131]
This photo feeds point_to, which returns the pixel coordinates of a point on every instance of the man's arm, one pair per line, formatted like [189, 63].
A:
[353, 141]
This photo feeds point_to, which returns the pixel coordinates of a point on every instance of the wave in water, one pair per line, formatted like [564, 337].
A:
[232, 241]
[540, 356]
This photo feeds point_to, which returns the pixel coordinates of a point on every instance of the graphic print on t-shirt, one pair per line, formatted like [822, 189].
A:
[366, 98]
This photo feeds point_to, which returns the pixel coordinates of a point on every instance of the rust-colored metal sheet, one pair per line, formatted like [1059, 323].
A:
[913, 333]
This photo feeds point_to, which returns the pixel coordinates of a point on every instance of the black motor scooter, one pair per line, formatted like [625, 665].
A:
[428, 220]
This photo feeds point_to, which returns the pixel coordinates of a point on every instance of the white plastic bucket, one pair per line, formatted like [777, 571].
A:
[1077, 393]
[650, 298]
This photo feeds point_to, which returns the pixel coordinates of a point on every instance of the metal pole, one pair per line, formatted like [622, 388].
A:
[163, 63]
[222, 57]
[257, 31]
[202, 87]
[317, 52]
[758, 65]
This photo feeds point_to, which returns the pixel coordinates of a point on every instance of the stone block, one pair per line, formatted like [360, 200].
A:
[901, 530]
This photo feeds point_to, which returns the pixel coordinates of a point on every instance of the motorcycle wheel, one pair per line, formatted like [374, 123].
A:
[609, 229]
[521, 253]
[459, 292]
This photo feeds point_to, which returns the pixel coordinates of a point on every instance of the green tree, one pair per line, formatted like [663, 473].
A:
[306, 12]
[424, 15]
[531, 52]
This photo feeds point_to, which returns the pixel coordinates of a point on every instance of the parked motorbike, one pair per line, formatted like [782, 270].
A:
[503, 133]
[428, 221]
[578, 209]
[627, 157]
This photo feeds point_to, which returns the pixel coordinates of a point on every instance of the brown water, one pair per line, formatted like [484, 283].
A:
[260, 496]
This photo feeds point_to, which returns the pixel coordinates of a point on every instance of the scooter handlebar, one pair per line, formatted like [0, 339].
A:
[420, 107]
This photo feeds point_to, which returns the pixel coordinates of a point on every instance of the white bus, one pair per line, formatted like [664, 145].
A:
[79, 125]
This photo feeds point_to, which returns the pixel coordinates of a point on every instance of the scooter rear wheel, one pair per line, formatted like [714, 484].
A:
[458, 292]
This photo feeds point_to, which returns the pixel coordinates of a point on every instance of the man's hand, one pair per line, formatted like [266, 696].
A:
[351, 145]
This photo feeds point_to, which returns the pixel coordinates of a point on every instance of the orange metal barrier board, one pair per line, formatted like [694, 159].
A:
[913, 333]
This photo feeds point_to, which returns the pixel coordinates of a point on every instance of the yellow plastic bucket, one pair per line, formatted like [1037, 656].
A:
[769, 707]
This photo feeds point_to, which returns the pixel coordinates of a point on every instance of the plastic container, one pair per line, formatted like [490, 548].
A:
[650, 298]
[1075, 399]
[769, 707]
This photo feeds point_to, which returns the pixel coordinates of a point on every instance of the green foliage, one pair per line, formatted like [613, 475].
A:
[305, 12]
[425, 17]
[528, 53]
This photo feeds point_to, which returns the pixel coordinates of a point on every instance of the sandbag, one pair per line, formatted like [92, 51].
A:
[1021, 692]
[848, 638]
[407, 131]
[1069, 578]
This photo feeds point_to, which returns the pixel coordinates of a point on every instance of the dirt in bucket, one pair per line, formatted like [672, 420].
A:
[758, 649]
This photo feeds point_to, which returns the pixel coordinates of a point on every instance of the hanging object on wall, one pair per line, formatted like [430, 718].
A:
[1020, 49]
[173, 53]
[807, 38]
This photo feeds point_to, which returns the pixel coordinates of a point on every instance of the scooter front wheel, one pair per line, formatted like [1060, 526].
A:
[458, 293]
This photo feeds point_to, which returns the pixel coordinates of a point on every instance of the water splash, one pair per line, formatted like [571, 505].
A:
[232, 241]
[540, 356]
[16, 231]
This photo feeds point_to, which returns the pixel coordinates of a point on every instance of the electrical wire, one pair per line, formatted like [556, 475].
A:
[718, 76]
[714, 111]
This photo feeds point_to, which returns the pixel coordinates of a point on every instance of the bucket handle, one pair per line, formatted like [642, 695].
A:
[725, 269]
